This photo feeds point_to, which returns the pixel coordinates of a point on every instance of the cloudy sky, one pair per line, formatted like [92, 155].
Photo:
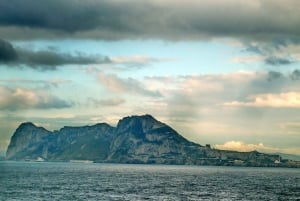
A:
[223, 72]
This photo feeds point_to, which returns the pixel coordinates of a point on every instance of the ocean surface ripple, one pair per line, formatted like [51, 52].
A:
[76, 181]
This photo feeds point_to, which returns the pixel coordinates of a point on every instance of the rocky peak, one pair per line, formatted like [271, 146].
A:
[27, 133]
[26, 125]
[138, 124]
[101, 125]
[29, 128]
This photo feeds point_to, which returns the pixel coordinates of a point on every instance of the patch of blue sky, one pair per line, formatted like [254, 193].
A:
[13, 72]
[180, 58]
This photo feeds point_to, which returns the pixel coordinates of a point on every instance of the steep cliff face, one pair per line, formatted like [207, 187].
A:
[81, 143]
[27, 137]
[143, 139]
[135, 139]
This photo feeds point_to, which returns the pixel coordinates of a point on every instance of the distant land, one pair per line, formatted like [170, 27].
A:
[135, 139]
[289, 156]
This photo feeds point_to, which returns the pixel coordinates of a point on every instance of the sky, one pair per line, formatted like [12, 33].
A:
[220, 72]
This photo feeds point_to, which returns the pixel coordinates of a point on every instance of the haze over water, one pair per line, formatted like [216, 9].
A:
[77, 181]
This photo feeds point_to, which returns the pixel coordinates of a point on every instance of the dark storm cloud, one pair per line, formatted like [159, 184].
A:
[172, 20]
[7, 52]
[66, 15]
[44, 59]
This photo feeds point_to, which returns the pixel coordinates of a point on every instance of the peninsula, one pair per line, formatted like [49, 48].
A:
[135, 139]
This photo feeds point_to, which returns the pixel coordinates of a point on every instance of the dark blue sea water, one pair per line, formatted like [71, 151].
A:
[77, 181]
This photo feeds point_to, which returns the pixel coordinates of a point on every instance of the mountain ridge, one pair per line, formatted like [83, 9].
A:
[135, 139]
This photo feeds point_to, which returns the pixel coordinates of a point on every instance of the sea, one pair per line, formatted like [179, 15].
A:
[32, 181]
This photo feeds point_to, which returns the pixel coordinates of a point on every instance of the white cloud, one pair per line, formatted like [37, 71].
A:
[20, 98]
[124, 85]
[289, 99]
[137, 60]
[239, 146]
[200, 99]
[247, 59]
[242, 146]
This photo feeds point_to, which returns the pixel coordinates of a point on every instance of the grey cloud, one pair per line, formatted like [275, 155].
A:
[214, 89]
[273, 75]
[275, 44]
[7, 52]
[295, 75]
[128, 85]
[202, 97]
[53, 59]
[43, 59]
[278, 61]
[67, 15]
[53, 102]
[273, 52]
[253, 48]
[22, 99]
[172, 20]
[50, 58]
[37, 84]
[134, 62]
[106, 102]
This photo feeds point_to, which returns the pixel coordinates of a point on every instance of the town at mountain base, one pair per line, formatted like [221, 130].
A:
[135, 139]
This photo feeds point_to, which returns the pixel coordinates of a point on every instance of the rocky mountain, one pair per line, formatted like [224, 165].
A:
[28, 140]
[135, 139]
